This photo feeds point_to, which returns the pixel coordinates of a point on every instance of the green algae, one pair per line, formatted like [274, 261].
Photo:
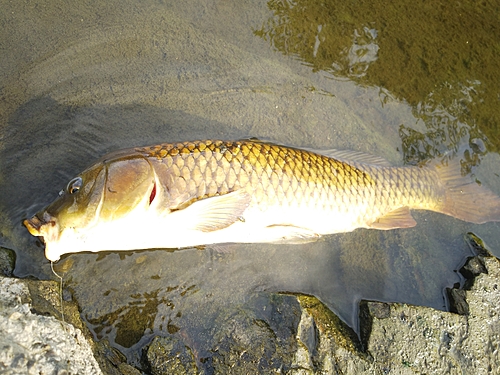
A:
[443, 60]
[330, 325]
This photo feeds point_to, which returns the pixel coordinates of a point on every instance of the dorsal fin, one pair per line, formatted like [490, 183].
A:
[353, 156]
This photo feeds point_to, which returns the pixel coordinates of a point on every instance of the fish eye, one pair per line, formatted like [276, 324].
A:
[74, 185]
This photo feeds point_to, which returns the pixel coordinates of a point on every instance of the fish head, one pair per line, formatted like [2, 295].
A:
[105, 193]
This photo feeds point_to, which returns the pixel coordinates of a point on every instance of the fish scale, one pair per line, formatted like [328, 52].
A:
[257, 167]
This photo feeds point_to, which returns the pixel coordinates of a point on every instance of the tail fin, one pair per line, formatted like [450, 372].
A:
[465, 199]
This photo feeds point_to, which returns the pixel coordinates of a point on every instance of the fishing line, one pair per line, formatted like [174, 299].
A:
[60, 289]
[61, 302]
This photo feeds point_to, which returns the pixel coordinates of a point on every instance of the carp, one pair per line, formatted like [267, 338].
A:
[206, 192]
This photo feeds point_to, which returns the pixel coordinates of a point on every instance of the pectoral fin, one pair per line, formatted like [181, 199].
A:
[218, 212]
[400, 218]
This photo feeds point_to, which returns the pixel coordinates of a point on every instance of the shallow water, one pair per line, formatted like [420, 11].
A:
[404, 82]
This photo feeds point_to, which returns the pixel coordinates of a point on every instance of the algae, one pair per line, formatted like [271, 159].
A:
[442, 60]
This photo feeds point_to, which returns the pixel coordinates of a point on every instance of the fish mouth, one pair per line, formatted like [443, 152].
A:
[39, 227]
[33, 225]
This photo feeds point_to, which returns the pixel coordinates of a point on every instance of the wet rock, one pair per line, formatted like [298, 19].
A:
[457, 300]
[474, 267]
[250, 348]
[405, 339]
[395, 338]
[336, 349]
[259, 343]
[7, 261]
[249, 341]
[112, 361]
[412, 339]
[169, 355]
[126, 369]
[477, 245]
[40, 332]
[293, 335]
[320, 334]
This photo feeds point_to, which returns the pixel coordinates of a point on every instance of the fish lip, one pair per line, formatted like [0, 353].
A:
[36, 225]
[33, 225]
[44, 226]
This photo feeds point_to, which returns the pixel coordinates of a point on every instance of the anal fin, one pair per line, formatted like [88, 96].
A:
[399, 218]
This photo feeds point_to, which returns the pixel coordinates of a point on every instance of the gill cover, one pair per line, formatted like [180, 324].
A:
[129, 183]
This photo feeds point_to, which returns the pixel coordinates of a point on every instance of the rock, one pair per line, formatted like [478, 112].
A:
[336, 348]
[111, 360]
[168, 355]
[36, 338]
[294, 335]
[406, 339]
[126, 369]
[7, 261]
[416, 339]
[257, 341]
[248, 341]
[395, 338]
[38, 344]
[33, 338]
